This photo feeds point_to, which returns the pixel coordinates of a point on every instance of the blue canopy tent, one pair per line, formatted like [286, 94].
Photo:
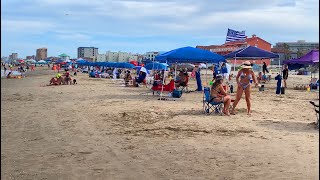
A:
[124, 65]
[189, 55]
[156, 66]
[251, 52]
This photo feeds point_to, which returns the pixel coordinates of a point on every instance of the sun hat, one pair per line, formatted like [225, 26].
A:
[246, 64]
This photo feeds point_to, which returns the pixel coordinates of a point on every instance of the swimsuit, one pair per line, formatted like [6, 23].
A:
[242, 76]
[214, 97]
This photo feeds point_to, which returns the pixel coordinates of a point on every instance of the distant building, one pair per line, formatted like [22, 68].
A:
[300, 47]
[41, 53]
[101, 58]
[112, 56]
[3, 58]
[233, 46]
[133, 57]
[151, 55]
[31, 57]
[13, 56]
[89, 53]
[123, 57]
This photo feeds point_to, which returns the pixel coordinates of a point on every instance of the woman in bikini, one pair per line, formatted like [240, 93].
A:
[243, 79]
[218, 94]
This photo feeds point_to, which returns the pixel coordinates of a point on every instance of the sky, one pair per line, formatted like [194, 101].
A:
[138, 26]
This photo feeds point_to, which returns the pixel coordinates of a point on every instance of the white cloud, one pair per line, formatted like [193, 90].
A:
[26, 26]
[73, 36]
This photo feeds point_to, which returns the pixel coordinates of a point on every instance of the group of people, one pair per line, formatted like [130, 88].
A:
[243, 79]
[219, 94]
[135, 81]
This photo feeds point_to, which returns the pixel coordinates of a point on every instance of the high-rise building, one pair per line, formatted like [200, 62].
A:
[89, 53]
[14, 56]
[41, 54]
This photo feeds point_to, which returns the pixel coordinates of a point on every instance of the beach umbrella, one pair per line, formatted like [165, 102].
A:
[143, 69]
[157, 66]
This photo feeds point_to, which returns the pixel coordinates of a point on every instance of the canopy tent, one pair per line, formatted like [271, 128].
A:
[124, 65]
[311, 57]
[157, 66]
[81, 61]
[42, 62]
[189, 55]
[63, 55]
[31, 61]
[251, 52]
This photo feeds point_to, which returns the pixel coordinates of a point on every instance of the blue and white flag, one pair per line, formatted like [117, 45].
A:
[234, 35]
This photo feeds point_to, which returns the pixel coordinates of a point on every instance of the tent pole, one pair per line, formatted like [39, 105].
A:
[235, 61]
[206, 72]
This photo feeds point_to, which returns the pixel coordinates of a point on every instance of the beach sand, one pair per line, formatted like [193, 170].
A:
[100, 130]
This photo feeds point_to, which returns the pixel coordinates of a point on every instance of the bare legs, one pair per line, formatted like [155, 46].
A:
[247, 92]
[226, 102]
[285, 83]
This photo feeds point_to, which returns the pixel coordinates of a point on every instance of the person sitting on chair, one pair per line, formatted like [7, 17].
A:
[142, 76]
[218, 94]
[182, 79]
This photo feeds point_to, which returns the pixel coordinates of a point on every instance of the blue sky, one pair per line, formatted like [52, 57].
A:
[148, 25]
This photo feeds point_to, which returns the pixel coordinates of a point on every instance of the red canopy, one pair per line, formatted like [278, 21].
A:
[21, 61]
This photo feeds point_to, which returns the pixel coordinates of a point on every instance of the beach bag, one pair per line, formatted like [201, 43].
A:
[176, 93]
[282, 90]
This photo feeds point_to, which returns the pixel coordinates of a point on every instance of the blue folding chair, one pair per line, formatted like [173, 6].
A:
[211, 106]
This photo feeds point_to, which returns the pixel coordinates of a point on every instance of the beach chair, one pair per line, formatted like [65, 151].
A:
[210, 106]
[167, 87]
[317, 112]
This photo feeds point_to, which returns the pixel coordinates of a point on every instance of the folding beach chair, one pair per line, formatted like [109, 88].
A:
[210, 106]
[316, 110]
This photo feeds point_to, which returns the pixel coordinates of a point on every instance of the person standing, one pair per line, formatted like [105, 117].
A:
[243, 80]
[265, 68]
[224, 71]
[285, 74]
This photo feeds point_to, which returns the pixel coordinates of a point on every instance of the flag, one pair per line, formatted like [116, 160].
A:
[234, 35]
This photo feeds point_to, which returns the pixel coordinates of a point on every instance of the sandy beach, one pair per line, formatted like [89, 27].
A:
[97, 129]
